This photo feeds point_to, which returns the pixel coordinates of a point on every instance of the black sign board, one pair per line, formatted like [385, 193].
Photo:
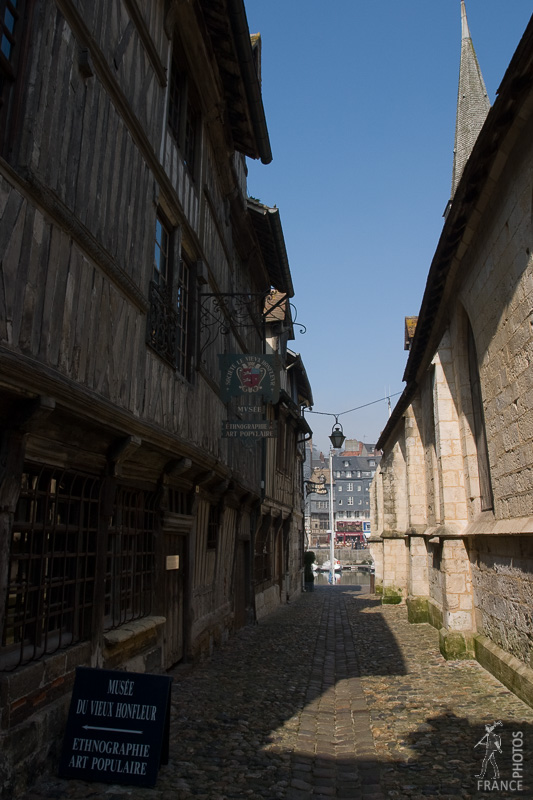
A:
[118, 727]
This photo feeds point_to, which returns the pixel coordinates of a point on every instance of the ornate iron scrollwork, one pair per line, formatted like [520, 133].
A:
[223, 311]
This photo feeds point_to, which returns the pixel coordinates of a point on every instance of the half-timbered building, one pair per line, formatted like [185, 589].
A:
[130, 260]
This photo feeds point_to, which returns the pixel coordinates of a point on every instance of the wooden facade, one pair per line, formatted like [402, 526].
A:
[128, 251]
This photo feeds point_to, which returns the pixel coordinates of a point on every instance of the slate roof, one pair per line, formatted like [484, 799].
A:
[472, 102]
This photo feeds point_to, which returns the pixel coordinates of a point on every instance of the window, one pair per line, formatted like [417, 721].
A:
[263, 553]
[176, 93]
[12, 25]
[339, 487]
[52, 564]
[169, 323]
[9, 17]
[161, 254]
[350, 501]
[349, 488]
[129, 581]
[359, 487]
[485, 486]
[348, 473]
[183, 119]
[182, 307]
[213, 526]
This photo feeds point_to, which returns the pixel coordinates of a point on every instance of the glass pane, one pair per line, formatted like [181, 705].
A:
[5, 47]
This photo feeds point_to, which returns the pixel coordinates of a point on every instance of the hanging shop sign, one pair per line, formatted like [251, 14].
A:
[311, 487]
[118, 727]
[249, 375]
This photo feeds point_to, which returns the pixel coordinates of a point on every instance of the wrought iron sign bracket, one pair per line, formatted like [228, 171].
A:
[222, 312]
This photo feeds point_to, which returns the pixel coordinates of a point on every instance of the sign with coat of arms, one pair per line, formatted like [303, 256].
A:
[249, 375]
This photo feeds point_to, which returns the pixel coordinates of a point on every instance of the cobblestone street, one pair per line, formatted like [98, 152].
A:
[337, 696]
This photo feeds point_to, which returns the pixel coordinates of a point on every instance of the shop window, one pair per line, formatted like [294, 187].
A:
[52, 564]
[129, 580]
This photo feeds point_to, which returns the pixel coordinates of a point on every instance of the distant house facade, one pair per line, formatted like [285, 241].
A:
[353, 471]
[132, 505]
[452, 500]
[317, 505]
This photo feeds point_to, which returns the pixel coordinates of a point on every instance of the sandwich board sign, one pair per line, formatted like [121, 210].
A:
[118, 727]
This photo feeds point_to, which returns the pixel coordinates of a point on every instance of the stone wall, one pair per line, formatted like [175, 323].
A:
[502, 578]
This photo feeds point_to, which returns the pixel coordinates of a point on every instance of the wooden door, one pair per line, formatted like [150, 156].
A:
[174, 597]
[241, 593]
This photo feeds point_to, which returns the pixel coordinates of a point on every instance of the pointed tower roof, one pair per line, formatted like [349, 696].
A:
[472, 103]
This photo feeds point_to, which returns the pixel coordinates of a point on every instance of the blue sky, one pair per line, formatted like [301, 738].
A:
[360, 101]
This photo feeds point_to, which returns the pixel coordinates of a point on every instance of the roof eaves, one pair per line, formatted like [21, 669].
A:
[267, 225]
[252, 86]
[304, 386]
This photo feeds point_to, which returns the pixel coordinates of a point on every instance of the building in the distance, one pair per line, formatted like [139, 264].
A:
[353, 471]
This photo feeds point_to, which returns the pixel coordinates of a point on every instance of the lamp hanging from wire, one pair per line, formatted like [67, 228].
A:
[337, 436]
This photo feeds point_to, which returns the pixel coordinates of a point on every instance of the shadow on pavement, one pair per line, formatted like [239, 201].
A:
[245, 723]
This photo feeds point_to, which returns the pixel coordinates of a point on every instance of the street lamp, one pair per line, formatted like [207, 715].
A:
[337, 438]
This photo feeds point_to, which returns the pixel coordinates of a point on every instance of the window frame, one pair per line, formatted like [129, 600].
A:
[183, 114]
[12, 65]
[170, 324]
[52, 564]
[486, 495]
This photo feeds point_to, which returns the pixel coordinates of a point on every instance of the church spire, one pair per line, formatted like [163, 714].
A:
[472, 103]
